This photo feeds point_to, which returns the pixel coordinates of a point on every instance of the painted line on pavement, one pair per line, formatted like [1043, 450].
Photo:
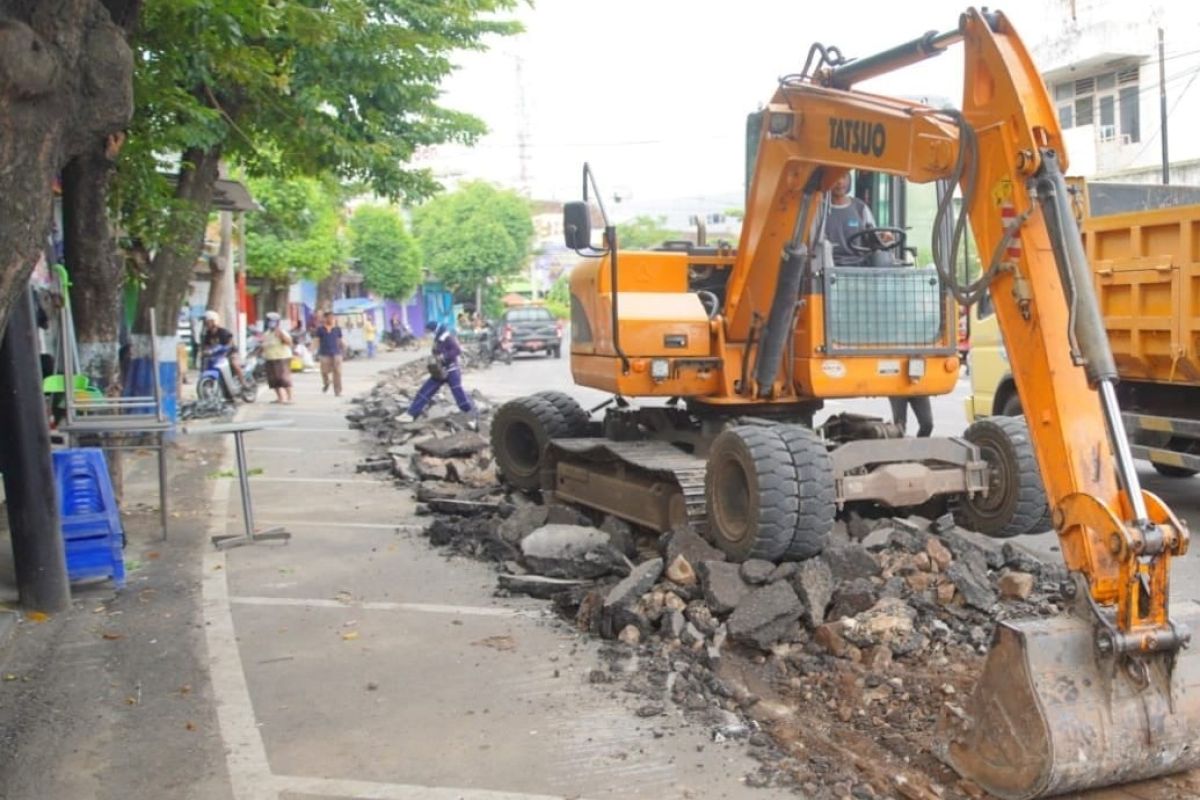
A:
[347, 479]
[245, 753]
[369, 790]
[292, 429]
[381, 605]
[383, 526]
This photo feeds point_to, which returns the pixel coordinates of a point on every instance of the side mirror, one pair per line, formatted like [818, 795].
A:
[577, 225]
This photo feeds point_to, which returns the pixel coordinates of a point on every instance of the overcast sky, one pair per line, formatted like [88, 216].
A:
[654, 93]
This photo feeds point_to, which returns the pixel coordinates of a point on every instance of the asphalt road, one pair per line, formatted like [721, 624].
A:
[532, 373]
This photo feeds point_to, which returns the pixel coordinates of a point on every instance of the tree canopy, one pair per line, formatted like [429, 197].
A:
[296, 234]
[645, 231]
[475, 234]
[348, 88]
[386, 252]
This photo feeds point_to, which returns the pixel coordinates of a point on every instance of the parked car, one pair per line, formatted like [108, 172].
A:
[532, 329]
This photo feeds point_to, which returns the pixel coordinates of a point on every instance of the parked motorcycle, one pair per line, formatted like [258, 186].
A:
[256, 364]
[217, 381]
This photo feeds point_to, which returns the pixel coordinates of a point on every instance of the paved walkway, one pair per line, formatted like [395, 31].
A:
[357, 662]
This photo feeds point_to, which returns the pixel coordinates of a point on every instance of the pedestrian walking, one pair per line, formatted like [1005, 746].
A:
[277, 350]
[922, 410]
[443, 369]
[330, 348]
[369, 336]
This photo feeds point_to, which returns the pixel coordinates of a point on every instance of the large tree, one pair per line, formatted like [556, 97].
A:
[386, 252]
[297, 234]
[476, 235]
[346, 87]
[65, 72]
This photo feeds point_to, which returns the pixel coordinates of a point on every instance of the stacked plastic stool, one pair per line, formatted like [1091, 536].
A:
[91, 521]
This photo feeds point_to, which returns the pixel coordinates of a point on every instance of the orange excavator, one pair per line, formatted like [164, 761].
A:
[732, 352]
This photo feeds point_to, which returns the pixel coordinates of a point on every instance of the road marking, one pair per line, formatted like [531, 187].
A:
[324, 450]
[245, 753]
[383, 526]
[381, 605]
[291, 429]
[369, 790]
[347, 479]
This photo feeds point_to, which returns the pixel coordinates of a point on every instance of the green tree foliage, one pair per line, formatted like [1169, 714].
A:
[285, 87]
[296, 233]
[475, 234]
[558, 299]
[645, 231]
[386, 252]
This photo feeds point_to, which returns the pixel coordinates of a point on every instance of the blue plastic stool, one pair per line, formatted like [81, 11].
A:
[91, 521]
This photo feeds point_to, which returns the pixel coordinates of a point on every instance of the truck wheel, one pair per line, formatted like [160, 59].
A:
[1015, 502]
[572, 413]
[751, 492]
[521, 430]
[814, 480]
[1172, 471]
[1012, 407]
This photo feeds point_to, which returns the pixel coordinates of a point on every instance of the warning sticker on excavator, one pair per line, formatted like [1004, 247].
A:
[833, 369]
[1002, 192]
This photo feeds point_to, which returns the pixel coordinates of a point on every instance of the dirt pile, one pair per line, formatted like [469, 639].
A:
[834, 670]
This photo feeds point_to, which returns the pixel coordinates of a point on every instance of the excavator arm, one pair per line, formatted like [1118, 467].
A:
[1108, 694]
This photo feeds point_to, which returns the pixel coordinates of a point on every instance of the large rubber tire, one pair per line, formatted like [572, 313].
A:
[1012, 407]
[752, 494]
[572, 413]
[817, 492]
[1172, 471]
[521, 430]
[1016, 500]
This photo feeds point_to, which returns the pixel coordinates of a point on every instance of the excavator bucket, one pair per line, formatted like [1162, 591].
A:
[1051, 715]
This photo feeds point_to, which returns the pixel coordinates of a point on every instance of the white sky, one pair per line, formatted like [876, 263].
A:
[654, 93]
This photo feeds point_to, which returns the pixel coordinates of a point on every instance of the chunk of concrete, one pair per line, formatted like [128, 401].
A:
[852, 598]
[682, 542]
[765, 615]
[813, 583]
[456, 445]
[848, 562]
[756, 571]
[723, 585]
[571, 551]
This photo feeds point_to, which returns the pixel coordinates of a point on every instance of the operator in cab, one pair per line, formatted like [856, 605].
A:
[846, 216]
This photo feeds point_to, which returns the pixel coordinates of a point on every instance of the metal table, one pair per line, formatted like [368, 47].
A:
[239, 430]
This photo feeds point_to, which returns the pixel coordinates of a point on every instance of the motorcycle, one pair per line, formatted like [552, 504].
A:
[218, 383]
[256, 364]
[504, 345]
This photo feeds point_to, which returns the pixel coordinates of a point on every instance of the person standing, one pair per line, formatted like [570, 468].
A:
[922, 410]
[330, 348]
[277, 350]
[369, 335]
[443, 369]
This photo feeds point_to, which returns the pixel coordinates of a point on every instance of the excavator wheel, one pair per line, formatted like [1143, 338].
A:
[814, 480]
[576, 418]
[1015, 502]
[521, 430]
[752, 493]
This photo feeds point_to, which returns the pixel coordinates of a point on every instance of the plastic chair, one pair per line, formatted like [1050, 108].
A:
[91, 522]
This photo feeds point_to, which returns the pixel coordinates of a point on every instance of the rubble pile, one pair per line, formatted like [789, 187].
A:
[835, 670]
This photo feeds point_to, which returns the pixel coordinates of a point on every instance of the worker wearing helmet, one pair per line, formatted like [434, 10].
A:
[443, 369]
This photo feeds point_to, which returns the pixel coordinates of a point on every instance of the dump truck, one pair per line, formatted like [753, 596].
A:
[717, 361]
[1140, 243]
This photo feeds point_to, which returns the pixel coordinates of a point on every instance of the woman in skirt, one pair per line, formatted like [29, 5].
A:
[277, 350]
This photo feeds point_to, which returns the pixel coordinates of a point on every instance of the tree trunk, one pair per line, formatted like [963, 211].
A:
[171, 268]
[66, 83]
[216, 283]
[277, 300]
[327, 292]
[95, 268]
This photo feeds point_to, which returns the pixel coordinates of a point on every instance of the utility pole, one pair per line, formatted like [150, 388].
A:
[1162, 109]
[39, 556]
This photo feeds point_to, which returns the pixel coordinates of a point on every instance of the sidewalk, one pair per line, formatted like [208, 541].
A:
[353, 662]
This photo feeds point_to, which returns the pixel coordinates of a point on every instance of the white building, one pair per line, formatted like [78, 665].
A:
[1099, 59]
